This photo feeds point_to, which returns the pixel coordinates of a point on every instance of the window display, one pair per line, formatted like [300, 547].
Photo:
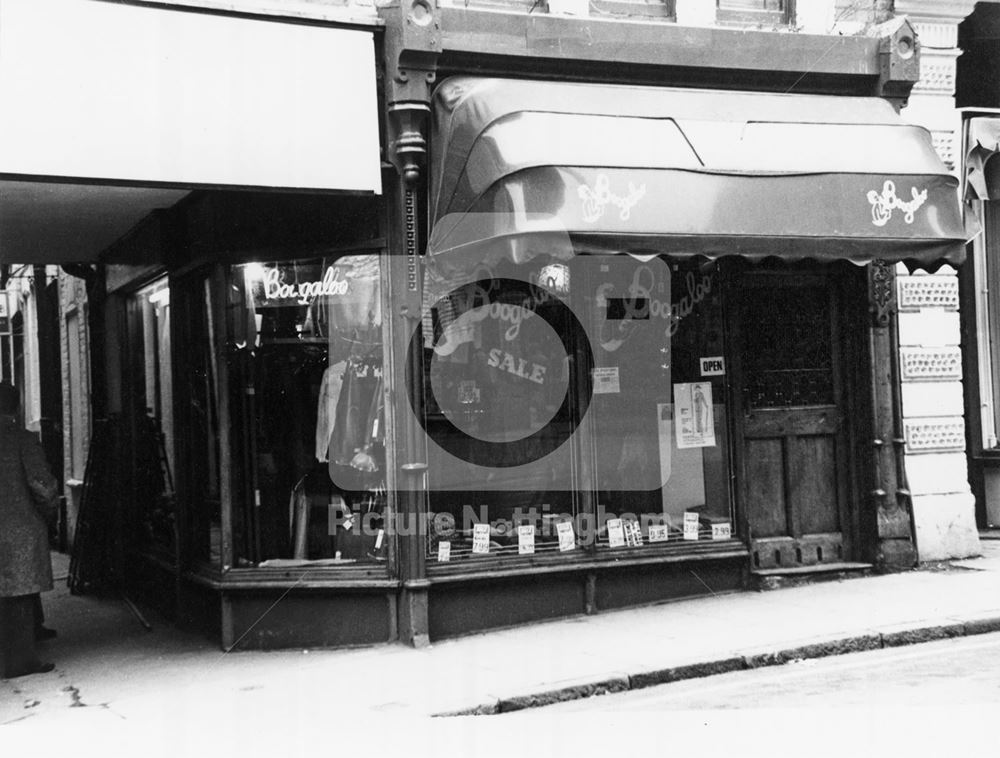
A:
[661, 429]
[150, 380]
[308, 418]
[199, 454]
[574, 402]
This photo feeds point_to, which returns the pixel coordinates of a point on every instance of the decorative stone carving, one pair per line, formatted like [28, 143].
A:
[931, 363]
[933, 434]
[944, 146]
[933, 35]
[937, 74]
[919, 292]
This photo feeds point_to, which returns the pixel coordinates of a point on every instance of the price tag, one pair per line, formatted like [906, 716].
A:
[567, 540]
[633, 534]
[690, 525]
[721, 531]
[444, 552]
[658, 533]
[526, 539]
[481, 538]
[616, 534]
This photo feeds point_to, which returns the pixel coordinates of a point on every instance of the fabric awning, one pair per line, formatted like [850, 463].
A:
[688, 172]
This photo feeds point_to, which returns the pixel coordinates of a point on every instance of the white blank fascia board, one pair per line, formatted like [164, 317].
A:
[106, 91]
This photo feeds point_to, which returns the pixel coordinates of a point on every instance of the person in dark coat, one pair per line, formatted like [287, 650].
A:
[27, 502]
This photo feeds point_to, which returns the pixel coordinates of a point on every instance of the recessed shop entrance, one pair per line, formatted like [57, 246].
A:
[796, 334]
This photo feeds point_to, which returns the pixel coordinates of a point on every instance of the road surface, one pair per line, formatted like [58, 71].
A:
[959, 671]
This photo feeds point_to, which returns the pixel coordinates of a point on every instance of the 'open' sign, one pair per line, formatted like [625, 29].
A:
[714, 366]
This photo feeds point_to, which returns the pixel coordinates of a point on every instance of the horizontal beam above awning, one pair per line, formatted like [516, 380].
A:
[693, 172]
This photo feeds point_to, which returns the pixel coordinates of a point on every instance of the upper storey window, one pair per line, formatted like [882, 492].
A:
[765, 12]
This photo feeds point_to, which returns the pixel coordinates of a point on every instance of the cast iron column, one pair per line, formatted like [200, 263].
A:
[412, 45]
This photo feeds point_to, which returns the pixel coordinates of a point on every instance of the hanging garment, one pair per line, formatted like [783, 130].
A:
[326, 412]
[351, 432]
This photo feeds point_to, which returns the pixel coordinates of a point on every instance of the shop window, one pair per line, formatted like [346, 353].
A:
[574, 404]
[149, 385]
[6, 337]
[661, 434]
[755, 12]
[194, 309]
[987, 274]
[306, 373]
[76, 369]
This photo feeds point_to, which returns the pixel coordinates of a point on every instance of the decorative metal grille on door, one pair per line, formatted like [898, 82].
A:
[787, 355]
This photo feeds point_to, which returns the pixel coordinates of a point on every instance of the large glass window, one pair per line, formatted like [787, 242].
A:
[194, 304]
[152, 418]
[987, 276]
[574, 403]
[308, 426]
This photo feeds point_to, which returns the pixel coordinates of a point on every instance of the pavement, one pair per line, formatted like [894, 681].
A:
[169, 685]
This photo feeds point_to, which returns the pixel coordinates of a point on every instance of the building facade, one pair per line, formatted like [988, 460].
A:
[605, 303]
[978, 101]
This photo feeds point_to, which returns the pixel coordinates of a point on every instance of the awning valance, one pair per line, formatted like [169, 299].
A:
[688, 172]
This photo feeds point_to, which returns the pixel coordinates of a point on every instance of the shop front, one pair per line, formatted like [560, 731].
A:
[597, 345]
[645, 363]
[603, 345]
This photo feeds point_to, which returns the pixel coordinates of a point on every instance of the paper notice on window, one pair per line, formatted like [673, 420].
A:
[481, 538]
[444, 552]
[690, 525]
[694, 420]
[616, 534]
[606, 380]
[526, 539]
[567, 540]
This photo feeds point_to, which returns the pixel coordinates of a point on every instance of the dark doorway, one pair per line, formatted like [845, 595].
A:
[793, 350]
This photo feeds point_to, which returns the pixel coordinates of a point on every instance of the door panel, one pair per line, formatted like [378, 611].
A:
[794, 443]
[812, 483]
[766, 487]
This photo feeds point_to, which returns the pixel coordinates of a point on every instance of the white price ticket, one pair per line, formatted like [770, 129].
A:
[526, 539]
[481, 538]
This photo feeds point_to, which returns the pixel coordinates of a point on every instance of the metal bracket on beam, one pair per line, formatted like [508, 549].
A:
[412, 48]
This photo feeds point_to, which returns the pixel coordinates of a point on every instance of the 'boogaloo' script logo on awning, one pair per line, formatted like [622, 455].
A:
[597, 199]
[883, 204]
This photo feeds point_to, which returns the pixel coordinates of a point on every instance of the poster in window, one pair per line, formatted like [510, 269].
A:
[694, 422]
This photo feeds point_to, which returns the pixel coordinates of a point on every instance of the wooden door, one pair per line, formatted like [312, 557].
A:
[793, 442]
